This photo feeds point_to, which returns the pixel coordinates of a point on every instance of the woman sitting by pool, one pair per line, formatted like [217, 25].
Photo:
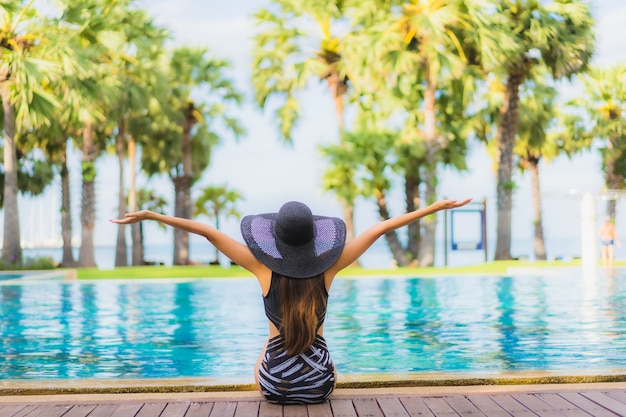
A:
[295, 256]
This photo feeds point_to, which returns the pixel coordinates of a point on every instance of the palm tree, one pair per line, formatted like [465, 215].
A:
[26, 65]
[284, 66]
[96, 88]
[53, 140]
[415, 55]
[184, 130]
[217, 202]
[147, 199]
[140, 72]
[535, 143]
[604, 103]
[34, 173]
[557, 34]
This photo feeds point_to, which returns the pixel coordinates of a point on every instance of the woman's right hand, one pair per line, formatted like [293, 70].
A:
[449, 204]
[135, 217]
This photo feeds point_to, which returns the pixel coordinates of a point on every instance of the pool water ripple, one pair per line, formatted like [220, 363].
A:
[216, 327]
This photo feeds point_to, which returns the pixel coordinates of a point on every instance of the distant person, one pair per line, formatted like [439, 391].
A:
[609, 238]
[295, 256]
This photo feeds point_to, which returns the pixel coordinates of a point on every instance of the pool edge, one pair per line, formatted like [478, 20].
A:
[199, 385]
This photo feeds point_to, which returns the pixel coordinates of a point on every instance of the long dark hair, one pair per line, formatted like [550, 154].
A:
[301, 301]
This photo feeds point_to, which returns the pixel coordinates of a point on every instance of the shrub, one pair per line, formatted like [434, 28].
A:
[42, 262]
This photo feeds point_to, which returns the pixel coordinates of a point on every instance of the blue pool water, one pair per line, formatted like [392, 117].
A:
[215, 328]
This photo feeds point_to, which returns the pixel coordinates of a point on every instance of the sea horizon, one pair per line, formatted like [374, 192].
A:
[378, 256]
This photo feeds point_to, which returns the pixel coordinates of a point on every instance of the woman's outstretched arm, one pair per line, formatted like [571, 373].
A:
[355, 248]
[235, 251]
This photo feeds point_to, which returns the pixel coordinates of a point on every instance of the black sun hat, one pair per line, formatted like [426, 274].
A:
[294, 242]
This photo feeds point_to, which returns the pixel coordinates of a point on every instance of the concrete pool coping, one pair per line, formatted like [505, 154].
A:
[345, 382]
[339, 393]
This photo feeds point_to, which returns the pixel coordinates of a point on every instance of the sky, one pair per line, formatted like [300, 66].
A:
[267, 172]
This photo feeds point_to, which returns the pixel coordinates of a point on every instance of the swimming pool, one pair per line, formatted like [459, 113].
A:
[214, 328]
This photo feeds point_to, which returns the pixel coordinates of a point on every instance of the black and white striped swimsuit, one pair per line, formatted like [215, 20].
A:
[306, 378]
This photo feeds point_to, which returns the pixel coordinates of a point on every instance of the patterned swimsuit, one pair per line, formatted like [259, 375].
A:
[306, 378]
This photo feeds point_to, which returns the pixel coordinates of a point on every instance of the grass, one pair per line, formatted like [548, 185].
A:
[141, 272]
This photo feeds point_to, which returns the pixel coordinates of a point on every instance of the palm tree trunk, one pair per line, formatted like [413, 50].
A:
[429, 223]
[217, 226]
[411, 192]
[182, 188]
[397, 251]
[540, 244]
[121, 251]
[612, 179]
[507, 131]
[338, 88]
[181, 238]
[66, 212]
[11, 247]
[140, 251]
[86, 256]
[136, 234]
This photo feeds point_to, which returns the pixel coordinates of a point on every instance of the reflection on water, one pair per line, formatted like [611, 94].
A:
[216, 328]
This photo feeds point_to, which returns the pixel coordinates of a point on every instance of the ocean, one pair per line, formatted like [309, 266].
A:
[378, 256]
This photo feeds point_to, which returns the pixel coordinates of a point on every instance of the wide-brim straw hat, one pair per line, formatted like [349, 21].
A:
[294, 242]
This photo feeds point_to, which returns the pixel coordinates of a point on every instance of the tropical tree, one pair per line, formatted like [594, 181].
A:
[147, 199]
[217, 202]
[96, 89]
[417, 56]
[27, 65]
[284, 64]
[557, 34]
[604, 104]
[34, 174]
[139, 68]
[53, 140]
[535, 143]
[190, 123]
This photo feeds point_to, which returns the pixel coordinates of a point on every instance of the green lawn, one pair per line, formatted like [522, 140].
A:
[491, 268]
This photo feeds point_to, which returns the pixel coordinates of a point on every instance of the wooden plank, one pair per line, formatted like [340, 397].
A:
[103, 410]
[487, 406]
[533, 403]
[151, 410]
[26, 411]
[616, 394]
[295, 411]
[80, 410]
[512, 406]
[463, 406]
[266, 409]
[129, 409]
[607, 402]
[439, 407]
[320, 410]
[367, 407]
[392, 407]
[223, 409]
[177, 409]
[10, 410]
[247, 408]
[586, 404]
[342, 408]
[56, 410]
[199, 410]
[562, 405]
[416, 407]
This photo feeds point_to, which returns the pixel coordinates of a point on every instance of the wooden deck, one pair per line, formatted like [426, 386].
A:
[599, 400]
